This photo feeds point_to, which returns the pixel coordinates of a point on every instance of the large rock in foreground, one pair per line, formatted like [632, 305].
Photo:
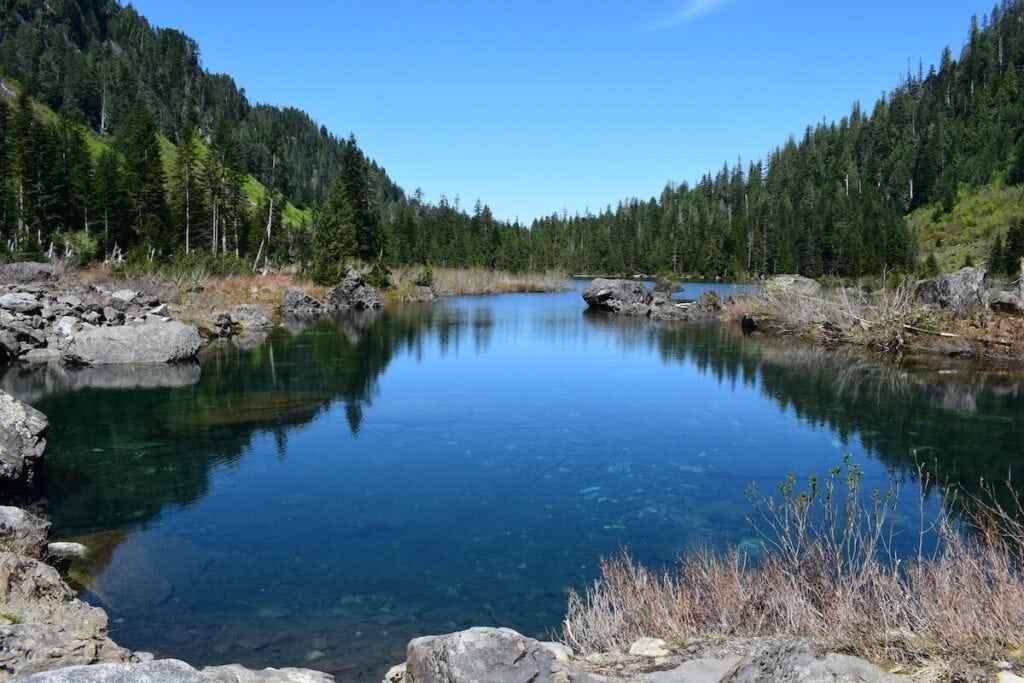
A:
[960, 292]
[619, 296]
[353, 293]
[164, 342]
[52, 627]
[496, 655]
[175, 671]
[21, 442]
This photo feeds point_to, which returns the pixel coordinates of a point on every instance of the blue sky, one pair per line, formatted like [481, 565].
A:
[535, 107]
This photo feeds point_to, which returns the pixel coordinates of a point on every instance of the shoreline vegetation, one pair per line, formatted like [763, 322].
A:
[826, 569]
[959, 315]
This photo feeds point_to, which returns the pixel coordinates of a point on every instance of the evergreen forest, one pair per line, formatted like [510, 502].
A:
[116, 143]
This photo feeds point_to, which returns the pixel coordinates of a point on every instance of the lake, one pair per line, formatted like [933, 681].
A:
[320, 497]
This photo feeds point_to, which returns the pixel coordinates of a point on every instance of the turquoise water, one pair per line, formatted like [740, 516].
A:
[324, 496]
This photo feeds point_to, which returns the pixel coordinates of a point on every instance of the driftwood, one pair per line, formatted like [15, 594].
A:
[950, 335]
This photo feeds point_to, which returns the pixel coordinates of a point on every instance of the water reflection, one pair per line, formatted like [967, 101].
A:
[350, 483]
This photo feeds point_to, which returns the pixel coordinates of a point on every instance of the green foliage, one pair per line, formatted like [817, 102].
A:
[930, 267]
[78, 247]
[379, 277]
[425, 277]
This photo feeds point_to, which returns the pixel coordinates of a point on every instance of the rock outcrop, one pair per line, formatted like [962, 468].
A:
[960, 292]
[22, 442]
[27, 273]
[789, 285]
[175, 671]
[352, 294]
[803, 663]
[498, 655]
[44, 625]
[251, 317]
[298, 304]
[161, 342]
[627, 297]
[22, 532]
[482, 654]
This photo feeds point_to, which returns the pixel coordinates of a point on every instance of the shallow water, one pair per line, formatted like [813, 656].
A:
[326, 495]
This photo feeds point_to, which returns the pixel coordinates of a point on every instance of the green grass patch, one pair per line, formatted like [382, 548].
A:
[967, 230]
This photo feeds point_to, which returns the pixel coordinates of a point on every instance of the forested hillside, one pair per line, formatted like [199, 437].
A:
[114, 139]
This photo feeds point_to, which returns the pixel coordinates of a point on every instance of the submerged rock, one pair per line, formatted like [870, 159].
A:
[162, 342]
[960, 292]
[21, 442]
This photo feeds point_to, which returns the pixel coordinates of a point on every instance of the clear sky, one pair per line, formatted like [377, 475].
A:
[539, 106]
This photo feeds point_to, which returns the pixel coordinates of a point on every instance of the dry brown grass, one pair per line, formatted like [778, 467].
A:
[843, 315]
[196, 293]
[464, 281]
[830, 574]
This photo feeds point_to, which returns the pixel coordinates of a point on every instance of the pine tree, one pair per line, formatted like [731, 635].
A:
[147, 185]
[335, 238]
[996, 256]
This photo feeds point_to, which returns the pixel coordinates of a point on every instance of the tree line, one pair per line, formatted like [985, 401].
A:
[118, 142]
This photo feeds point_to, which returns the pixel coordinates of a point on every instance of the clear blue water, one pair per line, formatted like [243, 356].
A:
[321, 498]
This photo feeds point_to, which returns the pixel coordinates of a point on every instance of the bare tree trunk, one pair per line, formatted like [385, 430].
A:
[258, 254]
[188, 212]
[270, 223]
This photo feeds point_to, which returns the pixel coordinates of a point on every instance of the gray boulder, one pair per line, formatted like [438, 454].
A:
[667, 285]
[22, 532]
[353, 293]
[21, 442]
[10, 347]
[1007, 302]
[298, 304]
[51, 628]
[20, 302]
[707, 306]
[251, 317]
[619, 296]
[960, 292]
[802, 663]
[236, 673]
[482, 655]
[27, 273]
[156, 671]
[175, 671]
[165, 342]
[789, 285]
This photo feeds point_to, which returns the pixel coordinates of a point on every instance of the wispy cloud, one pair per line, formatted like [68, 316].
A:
[694, 10]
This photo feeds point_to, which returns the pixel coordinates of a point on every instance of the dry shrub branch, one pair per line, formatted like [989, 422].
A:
[830, 573]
